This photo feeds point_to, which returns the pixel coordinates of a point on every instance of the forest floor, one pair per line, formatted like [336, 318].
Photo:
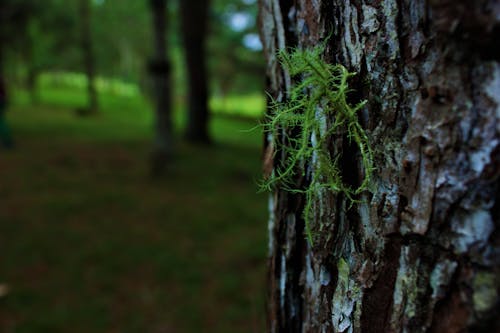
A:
[90, 243]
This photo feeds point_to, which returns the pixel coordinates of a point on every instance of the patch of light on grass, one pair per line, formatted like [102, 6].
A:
[252, 105]
[79, 81]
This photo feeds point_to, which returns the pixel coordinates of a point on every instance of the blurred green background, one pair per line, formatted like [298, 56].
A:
[89, 242]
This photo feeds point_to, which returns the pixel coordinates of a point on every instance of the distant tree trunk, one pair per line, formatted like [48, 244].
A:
[32, 78]
[31, 83]
[88, 54]
[421, 251]
[33, 68]
[160, 71]
[2, 43]
[194, 17]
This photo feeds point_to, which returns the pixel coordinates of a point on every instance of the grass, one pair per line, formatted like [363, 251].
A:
[244, 106]
[90, 244]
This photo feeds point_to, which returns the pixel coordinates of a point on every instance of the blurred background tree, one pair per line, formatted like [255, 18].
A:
[194, 26]
[235, 48]
[160, 72]
[87, 44]
[45, 38]
[37, 37]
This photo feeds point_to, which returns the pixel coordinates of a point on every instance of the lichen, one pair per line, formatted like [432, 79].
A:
[441, 276]
[370, 23]
[270, 225]
[406, 290]
[283, 281]
[343, 300]
[472, 229]
[485, 291]
[317, 110]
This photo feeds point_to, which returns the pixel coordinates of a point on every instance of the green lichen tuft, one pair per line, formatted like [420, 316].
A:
[485, 291]
[316, 111]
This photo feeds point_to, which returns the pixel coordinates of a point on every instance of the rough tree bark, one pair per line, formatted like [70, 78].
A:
[420, 253]
[161, 73]
[88, 55]
[194, 21]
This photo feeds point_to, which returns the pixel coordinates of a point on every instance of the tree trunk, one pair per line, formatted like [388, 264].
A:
[88, 55]
[194, 18]
[32, 83]
[160, 71]
[419, 252]
[2, 47]
[32, 61]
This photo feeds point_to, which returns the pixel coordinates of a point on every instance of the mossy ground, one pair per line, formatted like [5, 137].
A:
[90, 244]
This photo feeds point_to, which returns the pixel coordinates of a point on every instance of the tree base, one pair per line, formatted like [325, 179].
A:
[160, 160]
[199, 139]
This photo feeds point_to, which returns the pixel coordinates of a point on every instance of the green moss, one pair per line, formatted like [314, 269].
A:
[485, 291]
[343, 269]
[316, 109]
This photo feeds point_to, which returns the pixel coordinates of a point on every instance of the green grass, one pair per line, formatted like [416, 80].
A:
[251, 105]
[68, 89]
[90, 243]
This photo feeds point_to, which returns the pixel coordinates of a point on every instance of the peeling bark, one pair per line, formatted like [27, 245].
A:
[420, 253]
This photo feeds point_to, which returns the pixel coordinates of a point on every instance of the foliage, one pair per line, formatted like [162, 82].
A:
[234, 67]
[33, 33]
[122, 37]
[39, 36]
[317, 109]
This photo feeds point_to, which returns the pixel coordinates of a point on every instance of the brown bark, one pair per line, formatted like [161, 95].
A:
[194, 19]
[420, 252]
[161, 73]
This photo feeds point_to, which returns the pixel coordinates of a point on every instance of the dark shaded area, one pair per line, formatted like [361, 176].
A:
[377, 301]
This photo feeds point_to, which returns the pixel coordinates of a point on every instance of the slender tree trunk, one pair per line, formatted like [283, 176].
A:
[31, 76]
[2, 43]
[420, 252]
[160, 70]
[194, 17]
[31, 60]
[88, 54]
[32, 83]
